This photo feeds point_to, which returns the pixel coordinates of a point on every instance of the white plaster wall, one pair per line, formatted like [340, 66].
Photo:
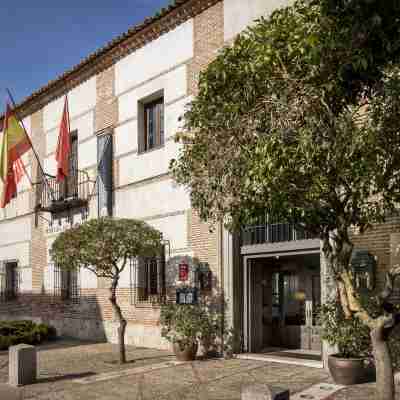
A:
[50, 165]
[136, 167]
[173, 83]
[18, 251]
[84, 124]
[87, 153]
[125, 278]
[157, 198]
[18, 230]
[170, 49]
[174, 228]
[48, 278]
[80, 100]
[25, 283]
[238, 14]
[126, 138]
[88, 279]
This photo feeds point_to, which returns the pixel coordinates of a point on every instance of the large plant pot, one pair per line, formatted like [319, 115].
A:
[350, 371]
[185, 352]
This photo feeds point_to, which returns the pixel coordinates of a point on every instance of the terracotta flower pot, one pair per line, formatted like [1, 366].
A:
[185, 352]
[350, 371]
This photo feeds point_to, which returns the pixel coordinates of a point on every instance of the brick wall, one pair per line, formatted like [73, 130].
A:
[208, 38]
[378, 241]
[38, 241]
[106, 112]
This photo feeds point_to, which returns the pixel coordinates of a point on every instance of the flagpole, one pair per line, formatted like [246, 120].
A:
[30, 141]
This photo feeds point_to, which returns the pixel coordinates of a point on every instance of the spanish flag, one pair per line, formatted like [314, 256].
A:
[14, 143]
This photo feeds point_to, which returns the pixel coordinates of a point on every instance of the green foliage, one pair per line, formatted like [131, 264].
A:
[15, 332]
[350, 335]
[187, 324]
[277, 123]
[104, 245]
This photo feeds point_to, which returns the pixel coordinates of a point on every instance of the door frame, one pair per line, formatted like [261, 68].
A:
[247, 289]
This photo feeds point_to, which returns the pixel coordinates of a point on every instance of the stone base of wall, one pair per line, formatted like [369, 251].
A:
[137, 334]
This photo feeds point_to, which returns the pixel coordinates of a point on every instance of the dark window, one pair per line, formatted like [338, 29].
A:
[66, 284]
[148, 279]
[105, 173]
[152, 135]
[9, 281]
[70, 186]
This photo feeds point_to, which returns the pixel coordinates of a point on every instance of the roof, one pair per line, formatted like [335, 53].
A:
[137, 36]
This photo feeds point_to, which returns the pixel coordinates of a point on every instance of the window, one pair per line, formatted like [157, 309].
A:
[69, 188]
[148, 279]
[9, 281]
[66, 284]
[151, 131]
[105, 173]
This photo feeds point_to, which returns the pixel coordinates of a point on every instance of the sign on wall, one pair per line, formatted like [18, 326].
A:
[186, 296]
[183, 271]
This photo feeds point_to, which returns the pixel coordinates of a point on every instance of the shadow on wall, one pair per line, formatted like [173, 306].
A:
[78, 318]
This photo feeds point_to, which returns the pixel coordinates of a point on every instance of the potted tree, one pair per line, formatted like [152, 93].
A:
[352, 364]
[180, 326]
[187, 326]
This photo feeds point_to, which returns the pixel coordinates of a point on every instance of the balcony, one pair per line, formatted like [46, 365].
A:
[267, 230]
[74, 193]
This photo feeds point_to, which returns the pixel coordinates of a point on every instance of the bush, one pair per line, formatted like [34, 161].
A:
[15, 332]
[187, 324]
[350, 335]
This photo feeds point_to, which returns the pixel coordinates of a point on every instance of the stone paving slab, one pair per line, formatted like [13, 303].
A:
[64, 364]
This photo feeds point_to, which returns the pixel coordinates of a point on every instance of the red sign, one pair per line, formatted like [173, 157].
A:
[183, 271]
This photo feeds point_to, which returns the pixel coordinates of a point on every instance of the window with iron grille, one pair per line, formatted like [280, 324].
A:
[151, 131]
[147, 277]
[9, 281]
[66, 284]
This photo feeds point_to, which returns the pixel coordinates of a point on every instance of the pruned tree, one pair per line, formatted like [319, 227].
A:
[299, 119]
[105, 246]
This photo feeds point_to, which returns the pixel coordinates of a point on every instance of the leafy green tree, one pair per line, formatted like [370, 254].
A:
[105, 246]
[299, 118]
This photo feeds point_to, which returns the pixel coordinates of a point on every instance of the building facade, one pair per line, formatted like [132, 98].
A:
[125, 105]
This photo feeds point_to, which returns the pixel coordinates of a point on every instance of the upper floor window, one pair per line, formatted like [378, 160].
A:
[151, 134]
[9, 281]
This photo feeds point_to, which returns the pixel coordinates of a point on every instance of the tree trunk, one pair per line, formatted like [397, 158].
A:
[122, 322]
[384, 370]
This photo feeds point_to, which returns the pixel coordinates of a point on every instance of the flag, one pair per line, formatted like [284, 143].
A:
[13, 145]
[9, 188]
[63, 145]
[19, 170]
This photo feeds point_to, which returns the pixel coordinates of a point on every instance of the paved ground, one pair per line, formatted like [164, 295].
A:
[64, 364]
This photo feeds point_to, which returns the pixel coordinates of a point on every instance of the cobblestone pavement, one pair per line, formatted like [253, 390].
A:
[64, 363]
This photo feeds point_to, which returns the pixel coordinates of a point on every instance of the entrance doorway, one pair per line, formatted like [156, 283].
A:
[284, 294]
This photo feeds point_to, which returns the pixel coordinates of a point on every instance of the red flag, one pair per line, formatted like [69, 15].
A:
[63, 146]
[19, 170]
[10, 187]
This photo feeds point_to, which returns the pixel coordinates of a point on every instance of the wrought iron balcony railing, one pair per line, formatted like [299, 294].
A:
[267, 230]
[73, 192]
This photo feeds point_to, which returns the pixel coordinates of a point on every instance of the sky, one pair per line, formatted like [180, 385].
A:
[39, 40]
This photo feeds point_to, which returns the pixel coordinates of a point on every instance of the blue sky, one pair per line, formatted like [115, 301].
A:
[41, 39]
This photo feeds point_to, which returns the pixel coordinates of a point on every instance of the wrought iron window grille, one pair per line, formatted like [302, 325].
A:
[147, 280]
[66, 284]
[9, 281]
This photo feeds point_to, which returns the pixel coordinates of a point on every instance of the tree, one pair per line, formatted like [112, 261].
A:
[105, 246]
[299, 118]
